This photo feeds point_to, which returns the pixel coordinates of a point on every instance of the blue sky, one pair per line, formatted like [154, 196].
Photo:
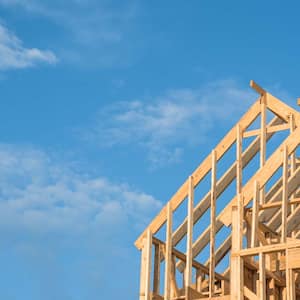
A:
[106, 107]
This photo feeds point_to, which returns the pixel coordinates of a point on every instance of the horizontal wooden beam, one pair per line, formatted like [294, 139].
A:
[267, 249]
[269, 129]
[278, 204]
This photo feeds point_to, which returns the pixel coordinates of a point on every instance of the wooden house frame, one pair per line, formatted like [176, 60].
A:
[261, 221]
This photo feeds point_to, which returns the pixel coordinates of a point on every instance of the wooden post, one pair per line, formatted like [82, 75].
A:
[237, 268]
[263, 138]
[290, 279]
[212, 225]
[145, 293]
[262, 277]
[174, 288]
[168, 254]
[189, 246]
[272, 289]
[255, 210]
[284, 195]
[239, 151]
[156, 275]
[291, 283]
[236, 263]
[293, 164]
[143, 270]
[199, 278]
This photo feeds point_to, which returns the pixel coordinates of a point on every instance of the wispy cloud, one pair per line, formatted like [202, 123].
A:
[66, 227]
[44, 196]
[13, 54]
[163, 124]
[99, 29]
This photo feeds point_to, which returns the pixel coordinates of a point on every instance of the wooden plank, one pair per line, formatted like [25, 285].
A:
[221, 251]
[199, 279]
[200, 172]
[168, 253]
[255, 215]
[274, 194]
[282, 110]
[284, 196]
[222, 183]
[156, 271]
[262, 277]
[226, 245]
[269, 129]
[276, 128]
[182, 257]
[188, 273]
[239, 151]
[212, 226]
[174, 287]
[293, 162]
[268, 249]
[293, 261]
[263, 140]
[236, 263]
[148, 266]
[290, 280]
[263, 175]
[143, 270]
[249, 294]
[278, 204]
[277, 196]
[257, 88]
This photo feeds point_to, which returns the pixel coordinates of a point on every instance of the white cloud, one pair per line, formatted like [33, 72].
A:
[95, 28]
[13, 55]
[166, 124]
[40, 195]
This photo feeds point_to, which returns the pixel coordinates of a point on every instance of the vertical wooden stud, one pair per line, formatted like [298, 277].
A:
[145, 293]
[156, 271]
[263, 139]
[189, 246]
[168, 254]
[236, 263]
[255, 210]
[199, 279]
[212, 225]
[284, 195]
[293, 163]
[239, 151]
[262, 276]
[272, 289]
[143, 270]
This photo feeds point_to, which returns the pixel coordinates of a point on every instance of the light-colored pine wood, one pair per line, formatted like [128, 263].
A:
[269, 129]
[284, 196]
[212, 225]
[236, 264]
[263, 139]
[201, 171]
[271, 225]
[189, 253]
[262, 276]
[168, 253]
[254, 227]
[156, 276]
